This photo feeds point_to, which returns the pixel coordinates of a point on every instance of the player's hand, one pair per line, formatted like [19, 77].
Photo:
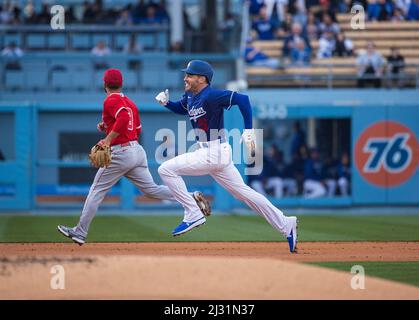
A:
[101, 126]
[248, 137]
[163, 97]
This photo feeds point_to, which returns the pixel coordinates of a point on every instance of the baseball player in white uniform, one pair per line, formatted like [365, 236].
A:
[205, 107]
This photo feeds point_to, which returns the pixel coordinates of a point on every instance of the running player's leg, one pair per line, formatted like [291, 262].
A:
[104, 180]
[230, 179]
[190, 164]
[140, 175]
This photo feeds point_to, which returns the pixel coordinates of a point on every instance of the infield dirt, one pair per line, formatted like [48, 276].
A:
[205, 270]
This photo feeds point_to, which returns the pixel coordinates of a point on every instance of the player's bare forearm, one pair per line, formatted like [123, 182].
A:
[112, 135]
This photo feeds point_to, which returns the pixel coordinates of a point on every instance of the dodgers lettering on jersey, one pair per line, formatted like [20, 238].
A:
[206, 110]
[113, 105]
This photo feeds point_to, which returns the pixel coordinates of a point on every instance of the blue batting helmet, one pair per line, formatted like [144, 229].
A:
[201, 68]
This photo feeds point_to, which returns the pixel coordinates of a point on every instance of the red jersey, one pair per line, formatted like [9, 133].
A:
[117, 105]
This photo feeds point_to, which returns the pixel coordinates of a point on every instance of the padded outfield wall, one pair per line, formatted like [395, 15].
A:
[384, 126]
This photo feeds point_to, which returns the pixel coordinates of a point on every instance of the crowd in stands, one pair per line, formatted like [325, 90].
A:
[300, 22]
[308, 174]
[92, 12]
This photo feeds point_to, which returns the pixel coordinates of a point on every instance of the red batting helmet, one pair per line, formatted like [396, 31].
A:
[113, 78]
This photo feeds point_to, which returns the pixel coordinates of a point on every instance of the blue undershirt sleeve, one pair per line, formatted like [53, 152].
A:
[176, 107]
[243, 102]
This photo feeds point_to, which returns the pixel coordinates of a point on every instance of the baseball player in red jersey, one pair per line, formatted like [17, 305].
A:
[121, 123]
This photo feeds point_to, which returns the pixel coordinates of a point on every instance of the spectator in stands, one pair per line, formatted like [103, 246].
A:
[312, 30]
[295, 38]
[403, 6]
[265, 28]
[140, 11]
[344, 174]
[327, 45]
[380, 10]
[300, 15]
[44, 17]
[124, 19]
[257, 58]
[254, 8]
[151, 17]
[161, 11]
[69, 15]
[327, 25]
[100, 53]
[313, 186]
[281, 9]
[285, 27]
[344, 47]
[398, 15]
[329, 175]
[88, 12]
[12, 56]
[298, 139]
[29, 14]
[300, 53]
[413, 13]
[395, 67]
[370, 65]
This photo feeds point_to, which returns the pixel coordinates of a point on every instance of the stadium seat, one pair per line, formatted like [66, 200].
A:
[37, 79]
[16, 38]
[56, 41]
[171, 79]
[150, 79]
[61, 80]
[130, 79]
[14, 79]
[220, 78]
[146, 40]
[81, 42]
[120, 41]
[162, 41]
[36, 41]
[82, 78]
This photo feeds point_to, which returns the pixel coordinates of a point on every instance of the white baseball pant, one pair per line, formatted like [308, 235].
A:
[216, 161]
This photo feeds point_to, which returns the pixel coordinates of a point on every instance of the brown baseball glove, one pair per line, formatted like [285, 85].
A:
[100, 156]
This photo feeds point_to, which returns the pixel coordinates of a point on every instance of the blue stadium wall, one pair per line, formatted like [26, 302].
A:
[385, 127]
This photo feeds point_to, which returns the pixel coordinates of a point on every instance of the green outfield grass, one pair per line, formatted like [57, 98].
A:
[406, 272]
[18, 228]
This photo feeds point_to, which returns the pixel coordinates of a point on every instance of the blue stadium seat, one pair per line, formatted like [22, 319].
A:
[146, 40]
[150, 79]
[162, 41]
[56, 41]
[220, 78]
[37, 79]
[36, 41]
[61, 80]
[130, 79]
[81, 42]
[171, 79]
[82, 78]
[120, 41]
[14, 79]
[16, 38]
